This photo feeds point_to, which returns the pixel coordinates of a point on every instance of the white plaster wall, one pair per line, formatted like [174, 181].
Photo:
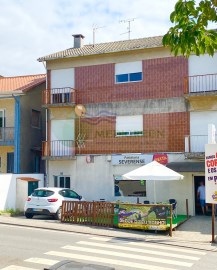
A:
[94, 181]
[7, 192]
[22, 188]
[199, 122]
[201, 65]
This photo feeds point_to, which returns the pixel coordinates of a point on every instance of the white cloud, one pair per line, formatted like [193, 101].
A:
[32, 28]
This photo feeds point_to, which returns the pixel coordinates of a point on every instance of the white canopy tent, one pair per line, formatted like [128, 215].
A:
[153, 171]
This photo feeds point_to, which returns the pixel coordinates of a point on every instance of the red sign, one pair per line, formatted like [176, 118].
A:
[161, 158]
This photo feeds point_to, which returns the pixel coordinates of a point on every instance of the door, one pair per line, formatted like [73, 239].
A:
[10, 162]
[31, 186]
[197, 180]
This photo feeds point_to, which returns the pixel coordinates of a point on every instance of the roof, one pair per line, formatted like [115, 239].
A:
[20, 83]
[109, 47]
[187, 166]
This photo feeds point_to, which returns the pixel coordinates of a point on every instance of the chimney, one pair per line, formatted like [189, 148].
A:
[78, 40]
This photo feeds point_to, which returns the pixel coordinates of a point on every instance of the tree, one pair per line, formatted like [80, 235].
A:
[190, 33]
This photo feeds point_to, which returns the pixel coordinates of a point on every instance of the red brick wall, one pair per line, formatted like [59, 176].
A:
[162, 78]
[163, 132]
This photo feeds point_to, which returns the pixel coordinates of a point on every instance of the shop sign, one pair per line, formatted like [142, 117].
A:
[211, 173]
[130, 159]
[161, 158]
[153, 217]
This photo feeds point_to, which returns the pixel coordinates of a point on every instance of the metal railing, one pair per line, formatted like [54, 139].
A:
[58, 148]
[54, 96]
[196, 143]
[6, 134]
[201, 83]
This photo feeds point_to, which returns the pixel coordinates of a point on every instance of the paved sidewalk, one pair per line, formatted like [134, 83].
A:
[194, 233]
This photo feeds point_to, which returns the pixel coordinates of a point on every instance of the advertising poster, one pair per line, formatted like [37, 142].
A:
[153, 217]
[211, 173]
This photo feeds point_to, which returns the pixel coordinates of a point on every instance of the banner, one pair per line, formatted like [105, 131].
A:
[211, 173]
[145, 217]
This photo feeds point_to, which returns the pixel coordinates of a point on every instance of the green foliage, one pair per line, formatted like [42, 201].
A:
[12, 212]
[189, 33]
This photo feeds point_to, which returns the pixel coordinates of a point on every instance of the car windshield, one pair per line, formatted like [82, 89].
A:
[42, 193]
[67, 193]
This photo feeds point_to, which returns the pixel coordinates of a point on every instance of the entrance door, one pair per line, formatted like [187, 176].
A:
[197, 180]
[10, 162]
[31, 186]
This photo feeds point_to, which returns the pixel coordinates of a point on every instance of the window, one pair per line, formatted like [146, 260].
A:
[36, 119]
[129, 125]
[69, 194]
[0, 164]
[131, 188]
[128, 72]
[62, 181]
[2, 124]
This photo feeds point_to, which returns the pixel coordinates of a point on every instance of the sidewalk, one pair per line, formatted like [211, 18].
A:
[194, 233]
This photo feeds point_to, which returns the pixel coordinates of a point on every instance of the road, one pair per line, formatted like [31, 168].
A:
[23, 248]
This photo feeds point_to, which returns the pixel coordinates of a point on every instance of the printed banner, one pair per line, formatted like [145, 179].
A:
[211, 173]
[145, 217]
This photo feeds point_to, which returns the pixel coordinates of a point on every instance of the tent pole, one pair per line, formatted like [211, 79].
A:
[154, 193]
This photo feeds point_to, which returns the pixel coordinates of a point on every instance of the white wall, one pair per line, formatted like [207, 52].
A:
[201, 65]
[13, 193]
[199, 122]
[95, 181]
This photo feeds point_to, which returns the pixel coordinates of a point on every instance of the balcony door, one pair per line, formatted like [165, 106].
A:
[62, 137]
[2, 124]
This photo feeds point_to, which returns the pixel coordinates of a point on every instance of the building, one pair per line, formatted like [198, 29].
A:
[114, 106]
[22, 124]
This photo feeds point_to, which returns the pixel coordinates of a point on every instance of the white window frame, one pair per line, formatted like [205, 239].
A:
[57, 178]
[131, 125]
[127, 69]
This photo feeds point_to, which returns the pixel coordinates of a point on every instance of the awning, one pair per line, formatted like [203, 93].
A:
[187, 166]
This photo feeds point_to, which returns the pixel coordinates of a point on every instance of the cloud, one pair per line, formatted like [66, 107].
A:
[31, 28]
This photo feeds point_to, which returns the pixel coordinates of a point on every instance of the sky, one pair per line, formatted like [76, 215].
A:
[30, 29]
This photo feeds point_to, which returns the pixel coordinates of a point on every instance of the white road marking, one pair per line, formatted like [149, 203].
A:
[139, 250]
[15, 267]
[149, 245]
[129, 256]
[101, 260]
[41, 261]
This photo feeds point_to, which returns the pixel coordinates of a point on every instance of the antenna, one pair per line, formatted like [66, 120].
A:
[94, 31]
[129, 25]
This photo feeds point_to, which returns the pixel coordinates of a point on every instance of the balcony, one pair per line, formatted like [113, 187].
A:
[58, 96]
[200, 84]
[195, 146]
[60, 149]
[6, 136]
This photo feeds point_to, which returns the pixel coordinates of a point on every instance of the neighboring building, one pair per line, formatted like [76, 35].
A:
[114, 106]
[22, 124]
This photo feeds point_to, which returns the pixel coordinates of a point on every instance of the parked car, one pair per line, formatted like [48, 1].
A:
[48, 201]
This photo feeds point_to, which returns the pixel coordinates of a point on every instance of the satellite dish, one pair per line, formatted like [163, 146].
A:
[80, 110]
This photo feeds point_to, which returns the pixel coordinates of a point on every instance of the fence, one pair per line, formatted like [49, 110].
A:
[88, 213]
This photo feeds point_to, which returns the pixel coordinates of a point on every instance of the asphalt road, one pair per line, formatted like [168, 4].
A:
[24, 248]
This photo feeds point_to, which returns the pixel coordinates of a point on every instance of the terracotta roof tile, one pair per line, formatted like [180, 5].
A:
[20, 83]
[109, 47]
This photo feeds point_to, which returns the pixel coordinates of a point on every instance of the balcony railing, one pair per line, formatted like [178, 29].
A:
[6, 135]
[201, 83]
[196, 143]
[58, 149]
[57, 96]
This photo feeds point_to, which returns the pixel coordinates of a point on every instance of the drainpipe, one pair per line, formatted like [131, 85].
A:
[17, 135]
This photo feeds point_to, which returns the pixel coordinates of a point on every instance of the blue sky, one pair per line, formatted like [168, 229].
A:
[34, 28]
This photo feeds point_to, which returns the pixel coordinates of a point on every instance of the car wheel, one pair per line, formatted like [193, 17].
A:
[29, 215]
[58, 214]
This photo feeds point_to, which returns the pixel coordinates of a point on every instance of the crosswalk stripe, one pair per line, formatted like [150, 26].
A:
[129, 256]
[149, 245]
[41, 261]
[139, 250]
[15, 267]
[107, 261]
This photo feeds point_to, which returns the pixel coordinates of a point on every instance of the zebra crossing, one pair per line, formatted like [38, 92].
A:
[118, 253]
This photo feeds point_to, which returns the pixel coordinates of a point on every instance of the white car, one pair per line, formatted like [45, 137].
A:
[48, 201]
